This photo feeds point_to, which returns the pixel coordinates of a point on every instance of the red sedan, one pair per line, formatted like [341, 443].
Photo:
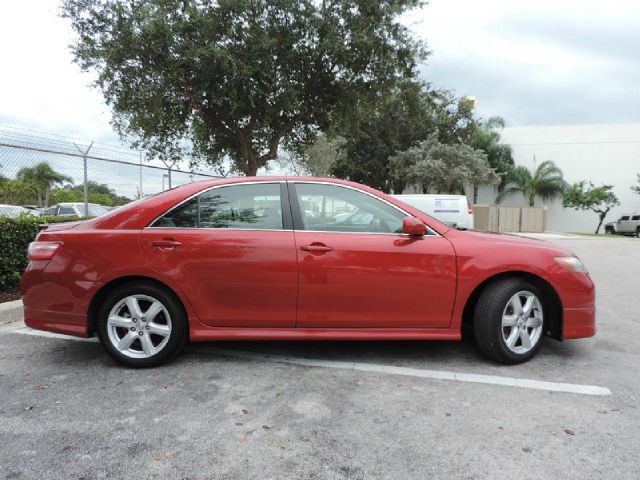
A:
[291, 259]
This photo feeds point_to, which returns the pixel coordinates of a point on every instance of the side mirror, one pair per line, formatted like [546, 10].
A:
[413, 226]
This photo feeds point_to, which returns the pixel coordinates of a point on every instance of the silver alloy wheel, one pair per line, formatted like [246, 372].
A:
[522, 321]
[139, 326]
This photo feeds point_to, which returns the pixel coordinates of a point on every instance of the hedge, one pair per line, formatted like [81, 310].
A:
[15, 236]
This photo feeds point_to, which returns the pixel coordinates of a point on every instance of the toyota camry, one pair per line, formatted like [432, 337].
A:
[292, 258]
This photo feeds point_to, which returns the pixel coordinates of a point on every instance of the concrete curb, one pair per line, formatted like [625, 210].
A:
[11, 312]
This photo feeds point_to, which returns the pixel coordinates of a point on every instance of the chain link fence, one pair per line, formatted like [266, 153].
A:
[41, 170]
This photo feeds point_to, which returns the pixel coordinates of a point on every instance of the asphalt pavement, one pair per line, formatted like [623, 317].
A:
[334, 410]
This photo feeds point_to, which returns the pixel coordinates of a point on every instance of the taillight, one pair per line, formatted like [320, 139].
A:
[469, 208]
[43, 250]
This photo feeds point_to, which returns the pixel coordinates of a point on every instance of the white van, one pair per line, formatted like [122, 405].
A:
[453, 210]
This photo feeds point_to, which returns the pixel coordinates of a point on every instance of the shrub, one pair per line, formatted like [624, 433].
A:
[15, 236]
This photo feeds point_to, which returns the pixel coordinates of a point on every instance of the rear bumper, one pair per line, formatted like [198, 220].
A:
[56, 304]
[69, 324]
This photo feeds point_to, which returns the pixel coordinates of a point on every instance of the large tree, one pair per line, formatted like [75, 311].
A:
[238, 78]
[585, 196]
[546, 181]
[43, 178]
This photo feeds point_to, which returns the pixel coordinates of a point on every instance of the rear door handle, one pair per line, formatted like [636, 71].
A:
[316, 247]
[166, 243]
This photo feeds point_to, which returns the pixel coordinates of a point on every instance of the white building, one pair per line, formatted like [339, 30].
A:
[603, 154]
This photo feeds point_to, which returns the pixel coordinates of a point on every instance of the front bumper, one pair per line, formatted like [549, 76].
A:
[578, 323]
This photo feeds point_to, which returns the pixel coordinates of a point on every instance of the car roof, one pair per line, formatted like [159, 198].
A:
[141, 212]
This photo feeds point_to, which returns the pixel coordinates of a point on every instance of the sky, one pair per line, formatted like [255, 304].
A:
[532, 62]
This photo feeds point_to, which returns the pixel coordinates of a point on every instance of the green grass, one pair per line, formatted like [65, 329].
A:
[602, 235]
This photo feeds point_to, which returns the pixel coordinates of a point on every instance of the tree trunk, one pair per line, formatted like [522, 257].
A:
[602, 215]
[532, 201]
[398, 187]
[252, 170]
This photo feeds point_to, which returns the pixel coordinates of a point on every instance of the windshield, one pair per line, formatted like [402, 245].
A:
[94, 210]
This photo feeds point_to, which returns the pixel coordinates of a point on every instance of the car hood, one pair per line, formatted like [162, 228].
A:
[494, 239]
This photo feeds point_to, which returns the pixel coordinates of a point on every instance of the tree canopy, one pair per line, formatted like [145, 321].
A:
[318, 158]
[585, 196]
[407, 114]
[486, 137]
[239, 78]
[442, 168]
[97, 192]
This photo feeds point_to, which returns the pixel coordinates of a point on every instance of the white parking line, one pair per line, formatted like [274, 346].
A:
[415, 372]
[40, 333]
[370, 367]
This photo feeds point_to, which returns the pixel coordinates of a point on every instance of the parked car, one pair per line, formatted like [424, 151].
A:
[453, 210]
[625, 225]
[76, 210]
[34, 208]
[242, 259]
[14, 211]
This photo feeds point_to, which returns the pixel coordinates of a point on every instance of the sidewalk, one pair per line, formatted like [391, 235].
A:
[11, 312]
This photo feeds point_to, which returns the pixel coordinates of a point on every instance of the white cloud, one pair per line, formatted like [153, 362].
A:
[40, 87]
[530, 61]
[537, 62]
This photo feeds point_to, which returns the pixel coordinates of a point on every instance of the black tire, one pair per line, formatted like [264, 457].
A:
[178, 331]
[638, 233]
[487, 323]
[608, 230]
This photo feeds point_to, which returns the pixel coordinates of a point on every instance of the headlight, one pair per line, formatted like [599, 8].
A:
[571, 264]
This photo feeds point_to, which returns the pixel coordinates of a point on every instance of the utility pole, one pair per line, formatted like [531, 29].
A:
[86, 178]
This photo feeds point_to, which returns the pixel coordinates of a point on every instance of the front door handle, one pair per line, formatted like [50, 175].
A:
[166, 243]
[316, 247]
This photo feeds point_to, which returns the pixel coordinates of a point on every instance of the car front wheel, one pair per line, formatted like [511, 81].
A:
[509, 320]
[141, 325]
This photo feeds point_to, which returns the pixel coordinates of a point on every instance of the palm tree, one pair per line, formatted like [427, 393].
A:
[546, 181]
[44, 178]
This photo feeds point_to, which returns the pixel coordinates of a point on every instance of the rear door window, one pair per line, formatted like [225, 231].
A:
[66, 211]
[249, 206]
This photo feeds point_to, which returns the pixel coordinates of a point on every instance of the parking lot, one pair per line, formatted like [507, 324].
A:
[316, 410]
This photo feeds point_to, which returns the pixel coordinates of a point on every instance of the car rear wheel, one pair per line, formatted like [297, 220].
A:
[141, 325]
[608, 230]
[638, 232]
[509, 321]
